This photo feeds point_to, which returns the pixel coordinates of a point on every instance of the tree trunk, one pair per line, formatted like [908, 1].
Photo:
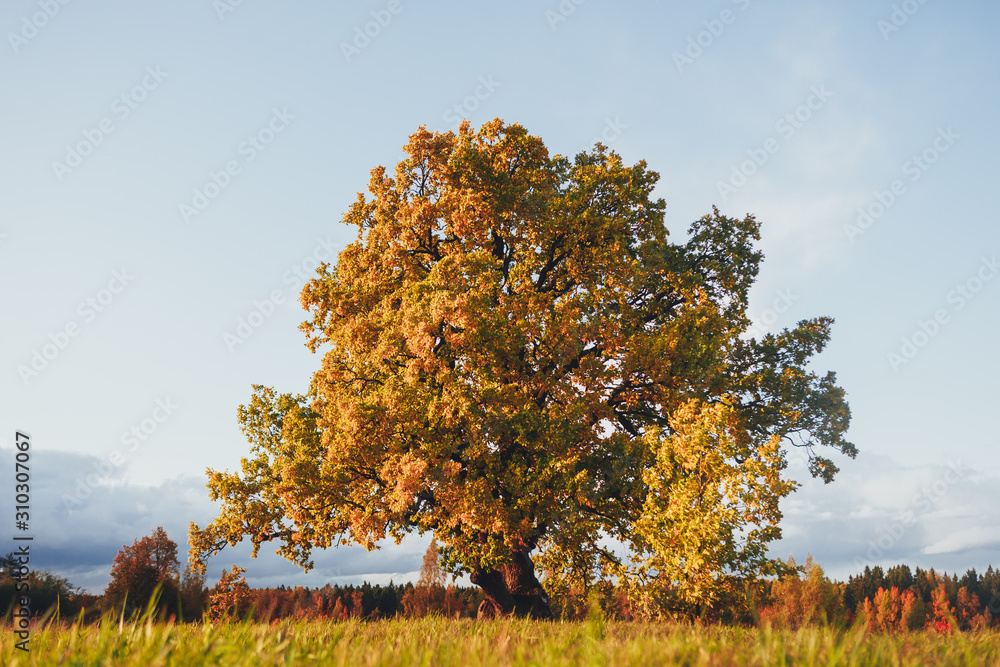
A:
[512, 589]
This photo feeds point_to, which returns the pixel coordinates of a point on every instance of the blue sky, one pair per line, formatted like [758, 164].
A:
[170, 169]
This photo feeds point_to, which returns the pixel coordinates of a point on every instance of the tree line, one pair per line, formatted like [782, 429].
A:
[896, 599]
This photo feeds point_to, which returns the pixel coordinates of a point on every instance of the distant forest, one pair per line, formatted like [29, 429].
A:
[900, 598]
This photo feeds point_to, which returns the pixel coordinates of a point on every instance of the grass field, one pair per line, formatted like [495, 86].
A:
[467, 643]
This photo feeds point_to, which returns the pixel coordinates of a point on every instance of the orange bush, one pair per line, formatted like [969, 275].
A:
[797, 602]
[892, 611]
[942, 617]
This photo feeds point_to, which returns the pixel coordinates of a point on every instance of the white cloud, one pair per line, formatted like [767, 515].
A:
[881, 512]
[965, 540]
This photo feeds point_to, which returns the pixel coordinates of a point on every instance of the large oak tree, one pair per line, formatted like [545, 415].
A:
[516, 357]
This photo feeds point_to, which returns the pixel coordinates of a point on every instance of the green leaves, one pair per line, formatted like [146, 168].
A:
[515, 355]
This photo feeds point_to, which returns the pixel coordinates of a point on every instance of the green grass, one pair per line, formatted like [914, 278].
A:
[467, 643]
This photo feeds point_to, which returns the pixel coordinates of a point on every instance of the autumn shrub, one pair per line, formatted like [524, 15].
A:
[892, 611]
[797, 601]
[422, 601]
[967, 613]
[567, 601]
[941, 618]
[453, 606]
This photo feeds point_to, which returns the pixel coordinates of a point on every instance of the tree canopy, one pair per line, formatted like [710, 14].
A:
[150, 562]
[516, 357]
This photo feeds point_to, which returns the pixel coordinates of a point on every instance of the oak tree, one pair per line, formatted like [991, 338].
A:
[517, 357]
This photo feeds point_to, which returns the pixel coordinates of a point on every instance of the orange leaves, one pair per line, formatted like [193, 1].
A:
[514, 352]
[892, 611]
[966, 614]
[231, 599]
[797, 602]
[138, 568]
[408, 474]
[949, 611]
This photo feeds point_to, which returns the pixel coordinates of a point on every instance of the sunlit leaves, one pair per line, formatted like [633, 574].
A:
[515, 356]
[711, 508]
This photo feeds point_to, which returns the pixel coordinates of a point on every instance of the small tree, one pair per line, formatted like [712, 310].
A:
[892, 611]
[339, 613]
[969, 611]
[797, 601]
[431, 574]
[232, 598]
[942, 615]
[452, 602]
[428, 596]
[150, 563]
[193, 594]
[357, 604]
[9, 565]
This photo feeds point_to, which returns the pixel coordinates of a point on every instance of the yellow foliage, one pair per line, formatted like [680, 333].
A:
[797, 602]
[711, 509]
[511, 353]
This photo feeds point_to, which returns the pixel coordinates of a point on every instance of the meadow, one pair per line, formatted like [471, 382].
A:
[469, 643]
